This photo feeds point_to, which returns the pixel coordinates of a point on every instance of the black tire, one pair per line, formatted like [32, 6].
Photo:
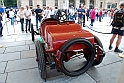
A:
[97, 40]
[32, 33]
[37, 46]
[42, 62]
[87, 63]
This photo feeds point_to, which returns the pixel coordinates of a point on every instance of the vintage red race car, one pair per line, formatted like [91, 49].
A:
[66, 47]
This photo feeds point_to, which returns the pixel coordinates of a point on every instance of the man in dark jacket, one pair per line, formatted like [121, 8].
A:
[81, 14]
[38, 14]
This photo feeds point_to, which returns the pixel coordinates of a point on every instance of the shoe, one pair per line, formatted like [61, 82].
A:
[110, 47]
[1, 35]
[118, 50]
[91, 24]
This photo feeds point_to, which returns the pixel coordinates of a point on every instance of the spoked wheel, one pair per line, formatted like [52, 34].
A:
[41, 60]
[99, 58]
[73, 61]
[32, 33]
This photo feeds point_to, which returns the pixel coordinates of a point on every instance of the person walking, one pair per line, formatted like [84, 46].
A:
[100, 15]
[117, 31]
[55, 11]
[72, 12]
[27, 14]
[81, 12]
[47, 12]
[20, 14]
[92, 16]
[11, 16]
[87, 14]
[1, 27]
[39, 15]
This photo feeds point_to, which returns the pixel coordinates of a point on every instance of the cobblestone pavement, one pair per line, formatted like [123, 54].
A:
[18, 65]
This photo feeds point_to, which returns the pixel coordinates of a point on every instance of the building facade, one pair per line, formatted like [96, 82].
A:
[104, 4]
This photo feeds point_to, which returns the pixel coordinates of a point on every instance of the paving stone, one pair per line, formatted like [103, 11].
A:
[84, 78]
[2, 50]
[21, 64]
[14, 44]
[111, 57]
[5, 37]
[17, 48]
[27, 54]
[8, 40]
[23, 39]
[2, 78]
[24, 76]
[23, 35]
[2, 66]
[10, 56]
[32, 47]
[106, 74]
[29, 42]
[32, 76]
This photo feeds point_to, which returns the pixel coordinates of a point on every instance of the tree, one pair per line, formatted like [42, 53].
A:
[10, 3]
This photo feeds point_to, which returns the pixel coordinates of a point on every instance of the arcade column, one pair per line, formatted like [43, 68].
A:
[87, 3]
[77, 3]
[65, 4]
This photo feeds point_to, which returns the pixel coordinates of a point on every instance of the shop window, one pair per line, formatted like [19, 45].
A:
[82, 2]
[92, 2]
[56, 3]
[44, 2]
[101, 4]
[71, 3]
[30, 3]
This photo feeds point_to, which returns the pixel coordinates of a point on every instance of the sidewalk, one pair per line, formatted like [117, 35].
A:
[18, 65]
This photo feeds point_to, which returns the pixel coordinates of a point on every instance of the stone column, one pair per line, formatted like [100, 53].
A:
[87, 2]
[60, 4]
[77, 3]
[65, 4]
[24, 3]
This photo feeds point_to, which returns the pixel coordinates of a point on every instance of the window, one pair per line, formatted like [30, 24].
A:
[101, 4]
[56, 3]
[109, 6]
[114, 5]
[71, 3]
[30, 3]
[44, 2]
[82, 2]
[92, 2]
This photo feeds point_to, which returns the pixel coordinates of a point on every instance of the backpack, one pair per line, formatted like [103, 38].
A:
[118, 20]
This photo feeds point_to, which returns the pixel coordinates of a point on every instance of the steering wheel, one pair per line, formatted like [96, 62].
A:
[61, 15]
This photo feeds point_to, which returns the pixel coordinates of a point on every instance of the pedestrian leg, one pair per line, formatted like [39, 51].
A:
[29, 25]
[26, 25]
